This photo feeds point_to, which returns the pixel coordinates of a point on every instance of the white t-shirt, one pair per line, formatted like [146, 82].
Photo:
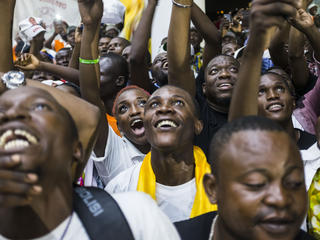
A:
[175, 201]
[120, 154]
[144, 217]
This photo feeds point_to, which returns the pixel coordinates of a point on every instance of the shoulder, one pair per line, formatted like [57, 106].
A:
[306, 140]
[125, 181]
[304, 236]
[145, 218]
[196, 228]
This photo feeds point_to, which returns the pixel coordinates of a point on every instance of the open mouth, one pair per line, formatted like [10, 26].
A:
[16, 139]
[137, 127]
[166, 124]
[275, 107]
[225, 86]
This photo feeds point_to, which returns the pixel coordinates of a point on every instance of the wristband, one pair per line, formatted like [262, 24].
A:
[181, 5]
[87, 61]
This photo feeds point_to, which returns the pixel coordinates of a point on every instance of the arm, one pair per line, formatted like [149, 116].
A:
[138, 66]
[264, 14]
[208, 31]
[277, 47]
[180, 73]
[91, 13]
[48, 43]
[37, 45]
[29, 62]
[74, 61]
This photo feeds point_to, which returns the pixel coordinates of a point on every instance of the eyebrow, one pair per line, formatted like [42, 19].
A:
[255, 170]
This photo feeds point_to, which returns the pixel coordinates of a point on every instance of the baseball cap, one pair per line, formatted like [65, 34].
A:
[29, 28]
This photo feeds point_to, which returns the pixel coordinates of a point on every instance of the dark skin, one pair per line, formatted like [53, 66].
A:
[116, 45]
[63, 57]
[180, 73]
[268, 188]
[91, 13]
[263, 16]
[171, 146]
[103, 45]
[36, 209]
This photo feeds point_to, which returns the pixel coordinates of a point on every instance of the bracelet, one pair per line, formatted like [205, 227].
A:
[87, 61]
[181, 5]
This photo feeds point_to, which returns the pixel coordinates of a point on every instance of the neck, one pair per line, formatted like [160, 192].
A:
[173, 168]
[108, 104]
[43, 215]
[143, 148]
[288, 126]
[219, 107]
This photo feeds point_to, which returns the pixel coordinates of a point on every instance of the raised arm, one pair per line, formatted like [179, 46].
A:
[180, 73]
[264, 14]
[74, 61]
[208, 31]
[30, 62]
[279, 55]
[139, 49]
[91, 13]
[6, 18]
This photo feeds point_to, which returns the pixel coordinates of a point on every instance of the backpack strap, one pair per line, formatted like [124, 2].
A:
[100, 214]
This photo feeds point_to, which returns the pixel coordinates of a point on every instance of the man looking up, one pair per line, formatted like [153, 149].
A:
[172, 171]
[264, 195]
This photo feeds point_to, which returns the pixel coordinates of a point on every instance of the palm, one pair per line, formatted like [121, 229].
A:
[303, 20]
[90, 11]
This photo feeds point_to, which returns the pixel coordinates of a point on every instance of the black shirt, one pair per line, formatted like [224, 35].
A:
[212, 119]
[199, 228]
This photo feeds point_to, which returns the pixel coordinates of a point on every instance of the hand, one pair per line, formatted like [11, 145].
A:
[16, 188]
[268, 13]
[302, 20]
[91, 11]
[27, 62]
[77, 35]
[39, 37]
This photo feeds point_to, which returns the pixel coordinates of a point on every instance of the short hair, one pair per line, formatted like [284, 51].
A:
[122, 91]
[120, 64]
[285, 78]
[224, 134]
[125, 41]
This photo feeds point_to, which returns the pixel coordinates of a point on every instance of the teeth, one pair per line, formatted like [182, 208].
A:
[27, 135]
[16, 144]
[135, 121]
[275, 107]
[166, 122]
[225, 85]
[4, 136]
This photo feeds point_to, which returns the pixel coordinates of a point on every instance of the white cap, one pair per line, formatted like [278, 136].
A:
[113, 12]
[29, 28]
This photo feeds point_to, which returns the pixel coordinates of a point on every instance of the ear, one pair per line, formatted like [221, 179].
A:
[78, 163]
[204, 88]
[198, 126]
[210, 185]
[120, 81]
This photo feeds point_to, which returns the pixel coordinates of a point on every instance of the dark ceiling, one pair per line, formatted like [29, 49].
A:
[212, 6]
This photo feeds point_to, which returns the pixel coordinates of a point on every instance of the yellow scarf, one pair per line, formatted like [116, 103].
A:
[201, 204]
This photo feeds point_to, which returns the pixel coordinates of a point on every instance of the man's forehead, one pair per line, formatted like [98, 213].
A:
[222, 60]
[172, 91]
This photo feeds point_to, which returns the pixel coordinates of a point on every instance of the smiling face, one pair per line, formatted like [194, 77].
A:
[170, 119]
[35, 126]
[264, 196]
[129, 111]
[159, 69]
[221, 75]
[274, 99]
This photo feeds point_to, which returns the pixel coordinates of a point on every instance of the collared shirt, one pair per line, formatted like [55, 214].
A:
[120, 154]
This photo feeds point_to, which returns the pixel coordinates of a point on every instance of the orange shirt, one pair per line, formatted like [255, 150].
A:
[113, 124]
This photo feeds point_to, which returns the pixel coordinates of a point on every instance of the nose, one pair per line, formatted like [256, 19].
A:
[271, 94]
[13, 113]
[278, 197]
[165, 109]
[135, 110]
[224, 73]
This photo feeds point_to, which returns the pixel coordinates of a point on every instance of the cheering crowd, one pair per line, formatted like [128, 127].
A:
[215, 137]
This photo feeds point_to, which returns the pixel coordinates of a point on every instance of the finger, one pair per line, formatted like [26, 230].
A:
[275, 9]
[11, 187]
[18, 176]
[10, 161]
[14, 200]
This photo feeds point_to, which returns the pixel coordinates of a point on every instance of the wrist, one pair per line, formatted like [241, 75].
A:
[182, 3]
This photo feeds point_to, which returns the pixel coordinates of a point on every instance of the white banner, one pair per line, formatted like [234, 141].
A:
[48, 10]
